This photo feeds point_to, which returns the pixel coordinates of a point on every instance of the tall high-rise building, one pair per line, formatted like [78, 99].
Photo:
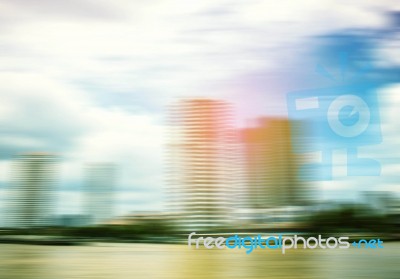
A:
[202, 163]
[273, 175]
[99, 192]
[31, 195]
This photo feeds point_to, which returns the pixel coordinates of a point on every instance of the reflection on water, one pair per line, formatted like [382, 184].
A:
[177, 261]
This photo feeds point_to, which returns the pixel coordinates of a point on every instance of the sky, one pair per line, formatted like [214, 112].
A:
[92, 80]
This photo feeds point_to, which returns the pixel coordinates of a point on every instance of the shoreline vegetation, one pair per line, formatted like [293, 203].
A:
[345, 221]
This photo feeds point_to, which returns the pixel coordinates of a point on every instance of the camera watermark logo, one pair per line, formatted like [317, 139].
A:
[284, 243]
[344, 116]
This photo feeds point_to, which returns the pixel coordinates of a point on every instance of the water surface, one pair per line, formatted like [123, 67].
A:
[178, 261]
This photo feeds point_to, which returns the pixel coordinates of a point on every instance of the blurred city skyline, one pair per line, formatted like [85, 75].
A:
[93, 83]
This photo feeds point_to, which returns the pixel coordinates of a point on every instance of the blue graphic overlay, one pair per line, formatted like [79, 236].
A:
[344, 116]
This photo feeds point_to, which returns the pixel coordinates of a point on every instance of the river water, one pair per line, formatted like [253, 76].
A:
[147, 261]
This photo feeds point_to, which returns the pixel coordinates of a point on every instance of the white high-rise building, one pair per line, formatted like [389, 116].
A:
[31, 200]
[202, 164]
[99, 192]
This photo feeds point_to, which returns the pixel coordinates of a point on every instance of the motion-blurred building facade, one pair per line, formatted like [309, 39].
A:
[99, 192]
[272, 169]
[202, 163]
[31, 200]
